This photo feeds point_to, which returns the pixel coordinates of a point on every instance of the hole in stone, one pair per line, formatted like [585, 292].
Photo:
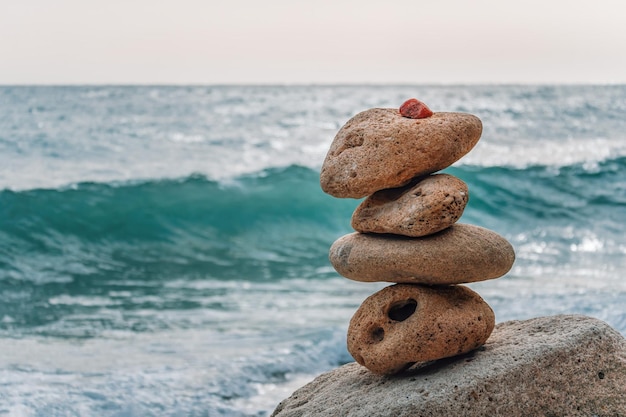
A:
[402, 310]
[378, 334]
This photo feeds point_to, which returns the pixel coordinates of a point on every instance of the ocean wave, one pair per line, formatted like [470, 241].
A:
[515, 198]
[252, 216]
[87, 245]
[272, 221]
[162, 210]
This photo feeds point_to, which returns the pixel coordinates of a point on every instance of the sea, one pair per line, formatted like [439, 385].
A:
[164, 249]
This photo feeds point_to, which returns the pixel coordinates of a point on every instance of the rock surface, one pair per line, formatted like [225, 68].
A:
[403, 324]
[566, 365]
[459, 254]
[379, 149]
[419, 209]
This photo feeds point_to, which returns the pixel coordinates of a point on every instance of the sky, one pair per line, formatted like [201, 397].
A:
[312, 42]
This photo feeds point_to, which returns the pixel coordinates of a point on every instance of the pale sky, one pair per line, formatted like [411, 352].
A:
[323, 41]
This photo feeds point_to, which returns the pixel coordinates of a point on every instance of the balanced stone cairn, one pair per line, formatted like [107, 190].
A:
[406, 233]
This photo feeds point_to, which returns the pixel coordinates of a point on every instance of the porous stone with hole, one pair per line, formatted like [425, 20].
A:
[459, 254]
[426, 206]
[403, 324]
[379, 149]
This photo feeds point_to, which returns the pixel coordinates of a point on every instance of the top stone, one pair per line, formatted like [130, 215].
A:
[379, 149]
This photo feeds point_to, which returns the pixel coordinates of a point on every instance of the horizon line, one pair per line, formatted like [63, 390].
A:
[315, 84]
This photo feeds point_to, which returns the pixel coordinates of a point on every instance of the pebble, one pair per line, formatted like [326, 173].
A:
[415, 109]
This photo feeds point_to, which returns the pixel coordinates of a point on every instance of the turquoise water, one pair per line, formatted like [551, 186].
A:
[163, 250]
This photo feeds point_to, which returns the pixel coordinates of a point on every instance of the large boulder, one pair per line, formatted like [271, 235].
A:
[566, 365]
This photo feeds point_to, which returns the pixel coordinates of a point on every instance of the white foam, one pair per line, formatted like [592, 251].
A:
[269, 395]
[552, 153]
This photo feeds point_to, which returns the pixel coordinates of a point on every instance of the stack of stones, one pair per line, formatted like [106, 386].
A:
[406, 233]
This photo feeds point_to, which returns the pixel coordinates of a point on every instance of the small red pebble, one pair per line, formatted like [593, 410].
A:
[415, 109]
